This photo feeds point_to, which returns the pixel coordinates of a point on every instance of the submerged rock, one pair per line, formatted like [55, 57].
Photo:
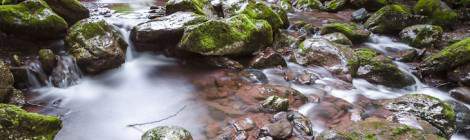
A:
[422, 36]
[164, 31]
[237, 35]
[438, 113]
[449, 58]
[18, 124]
[377, 69]
[437, 11]
[71, 10]
[32, 19]
[391, 19]
[351, 30]
[167, 133]
[96, 45]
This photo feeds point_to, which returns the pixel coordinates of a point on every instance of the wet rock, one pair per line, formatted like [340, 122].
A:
[409, 55]
[167, 133]
[254, 76]
[71, 10]
[278, 130]
[376, 69]
[391, 19]
[96, 45]
[224, 62]
[331, 111]
[328, 5]
[334, 5]
[48, 60]
[422, 36]
[449, 58]
[339, 38]
[164, 31]
[375, 128]
[234, 36]
[440, 114]
[301, 124]
[460, 75]
[308, 4]
[256, 10]
[352, 31]
[437, 11]
[275, 104]
[461, 94]
[197, 6]
[462, 114]
[18, 124]
[32, 19]
[360, 15]
[370, 4]
[321, 52]
[267, 59]
[66, 73]
[6, 77]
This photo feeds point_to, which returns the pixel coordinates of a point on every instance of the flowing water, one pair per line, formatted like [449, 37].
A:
[150, 87]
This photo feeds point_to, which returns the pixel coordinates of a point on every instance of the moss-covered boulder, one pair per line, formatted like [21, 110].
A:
[437, 11]
[438, 113]
[326, 5]
[449, 58]
[308, 4]
[48, 60]
[96, 45]
[377, 69]
[167, 133]
[422, 36]
[391, 19]
[275, 16]
[353, 31]
[71, 10]
[17, 124]
[370, 4]
[375, 129]
[163, 31]
[202, 7]
[237, 35]
[32, 19]
[334, 5]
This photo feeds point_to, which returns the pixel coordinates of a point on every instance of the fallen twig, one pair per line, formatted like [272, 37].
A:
[160, 120]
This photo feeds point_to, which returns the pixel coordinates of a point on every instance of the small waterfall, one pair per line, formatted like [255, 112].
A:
[66, 73]
[36, 76]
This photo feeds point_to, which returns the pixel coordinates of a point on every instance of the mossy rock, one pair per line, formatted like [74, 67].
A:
[8, 2]
[437, 11]
[237, 35]
[438, 113]
[377, 69]
[391, 19]
[6, 77]
[96, 45]
[167, 133]
[321, 52]
[334, 5]
[353, 31]
[339, 38]
[32, 19]
[286, 5]
[370, 4]
[196, 6]
[308, 4]
[17, 124]
[71, 10]
[449, 58]
[422, 36]
[377, 129]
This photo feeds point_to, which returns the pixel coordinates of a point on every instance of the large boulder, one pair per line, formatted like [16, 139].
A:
[449, 58]
[167, 133]
[96, 45]
[391, 19]
[164, 31]
[202, 7]
[438, 113]
[255, 10]
[32, 19]
[437, 11]
[71, 10]
[422, 36]
[378, 69]
[17, 124]
[237, 35]
[353, 31]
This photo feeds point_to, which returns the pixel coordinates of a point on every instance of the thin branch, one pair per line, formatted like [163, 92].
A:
[157, 121]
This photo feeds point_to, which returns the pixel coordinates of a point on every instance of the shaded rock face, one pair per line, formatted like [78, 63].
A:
[461, 94]
[163, 31]
[391, 19]
[71, 10]
[375, 128]
[352, 31]
[18, 124]
[376, 69]
[167, 133]
[430, 109]
[32, 20]
[8, 94]
[422, 36]
[449, 58]
[237, 35]
[96, 45]
[460, 75]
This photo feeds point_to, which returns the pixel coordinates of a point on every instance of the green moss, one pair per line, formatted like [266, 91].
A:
[196, 6]
[335, 5]
[422, 36]
[450, 57]
[262, 12]
[351, 30]
[308, 4]
[71, 10]
[438, 14]
[390, 19]
[448, 111]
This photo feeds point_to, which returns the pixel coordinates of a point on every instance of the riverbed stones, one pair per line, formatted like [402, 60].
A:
[96, 45]
[449, 58]
[164, 31]
[237, 35]
[33, 20]
[18, 124]
[167, 133]
[437, 11]
[377, 69]
[353, 31]
[422, 36]
[391, 19]
[71, 10]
